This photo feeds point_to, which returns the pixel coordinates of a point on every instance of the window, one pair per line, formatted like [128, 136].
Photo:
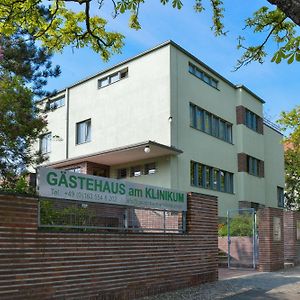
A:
[75, 170]
[203, 76]
[150, 169]
[211, 178]
[110, 79]
[251, 120]
[45, 143]
[122, 173]
[280, 196]
[83, 132]
[136, 171]
[211, 124]
[253, 165]
[56, 103]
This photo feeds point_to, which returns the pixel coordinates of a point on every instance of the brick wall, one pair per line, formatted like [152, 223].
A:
[271, 251]
[43, 265]
[291, 243]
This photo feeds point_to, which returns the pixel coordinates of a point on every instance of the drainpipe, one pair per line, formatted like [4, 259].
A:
[67, 123]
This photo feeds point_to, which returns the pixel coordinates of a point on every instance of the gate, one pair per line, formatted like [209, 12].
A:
[242, 238]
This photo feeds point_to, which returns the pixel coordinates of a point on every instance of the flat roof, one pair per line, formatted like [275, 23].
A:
[166, 43]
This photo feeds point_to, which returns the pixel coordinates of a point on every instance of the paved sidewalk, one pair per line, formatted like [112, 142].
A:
[283, 285]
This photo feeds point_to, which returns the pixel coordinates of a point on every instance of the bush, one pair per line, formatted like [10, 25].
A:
[241, 225]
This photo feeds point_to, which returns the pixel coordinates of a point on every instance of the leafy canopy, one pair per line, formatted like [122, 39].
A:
[57, 25]
[290, 122]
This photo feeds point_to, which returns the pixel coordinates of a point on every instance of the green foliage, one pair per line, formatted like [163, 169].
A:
[290, 123]
[20, 186]
[24, 69]
[69, 216]
[57, 26]
[240, 225]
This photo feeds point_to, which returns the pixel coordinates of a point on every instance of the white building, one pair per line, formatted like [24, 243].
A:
[165, 118]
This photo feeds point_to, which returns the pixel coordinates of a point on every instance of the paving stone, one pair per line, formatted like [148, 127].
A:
[243, 285]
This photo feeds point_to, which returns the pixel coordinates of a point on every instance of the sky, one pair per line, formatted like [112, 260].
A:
[277, 84]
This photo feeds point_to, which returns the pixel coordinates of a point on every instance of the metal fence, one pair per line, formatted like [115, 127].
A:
[70, 215]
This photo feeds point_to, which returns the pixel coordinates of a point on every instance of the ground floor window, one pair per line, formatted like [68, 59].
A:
[211, 178]
[280, 196]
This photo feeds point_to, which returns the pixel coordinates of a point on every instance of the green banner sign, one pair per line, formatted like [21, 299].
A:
[62, 184]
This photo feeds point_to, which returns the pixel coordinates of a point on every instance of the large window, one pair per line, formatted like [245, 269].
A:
[211, 178]
[213, 125]
[110, 79]
[45, 143]
[203, 76]
[280, 196]
[83, 132]
[254, 166]
[251, 120]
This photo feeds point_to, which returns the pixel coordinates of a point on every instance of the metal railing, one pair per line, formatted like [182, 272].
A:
[62, 215]
[272, 125]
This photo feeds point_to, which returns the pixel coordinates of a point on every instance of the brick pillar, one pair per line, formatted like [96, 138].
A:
[202, 220]
[291, 243]
[271, 239]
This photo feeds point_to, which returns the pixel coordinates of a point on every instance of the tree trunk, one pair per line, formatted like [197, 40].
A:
[290, 7]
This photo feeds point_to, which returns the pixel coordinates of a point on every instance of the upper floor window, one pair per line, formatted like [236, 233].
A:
[203, 75]
[45, 143]
[213, 125]
[211, 178]
[83, 132]
[56, 103]
[280, 196]
[255, 166]
[251, 120]
[110, 79]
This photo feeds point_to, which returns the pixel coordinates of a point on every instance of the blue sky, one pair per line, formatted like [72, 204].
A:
[278, 85]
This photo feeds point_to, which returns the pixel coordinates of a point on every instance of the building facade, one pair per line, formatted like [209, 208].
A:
[165, 118]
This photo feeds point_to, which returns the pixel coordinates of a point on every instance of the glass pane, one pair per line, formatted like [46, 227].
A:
[229, 133]
[206, 78]
[222, 181]
[103, 82]
[207, 123]
[199, 74]
[88, 131]
[192, 69]
[208, 175]
[192, 175]
[192, 115]
[222, 130]
[199, 119]
[115, 77]
[80, 133]
[216, 179]
[200, 175]
[214, 83]
[215, 127]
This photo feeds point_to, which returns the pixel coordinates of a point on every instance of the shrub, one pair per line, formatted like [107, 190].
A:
[240, 225]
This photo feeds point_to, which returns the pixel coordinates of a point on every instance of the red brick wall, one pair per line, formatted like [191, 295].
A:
[44, 265]
[291, 244]
[271, 252]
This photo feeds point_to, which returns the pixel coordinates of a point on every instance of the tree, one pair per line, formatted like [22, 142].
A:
[58, 25]
[24, 69]
[290, 122]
